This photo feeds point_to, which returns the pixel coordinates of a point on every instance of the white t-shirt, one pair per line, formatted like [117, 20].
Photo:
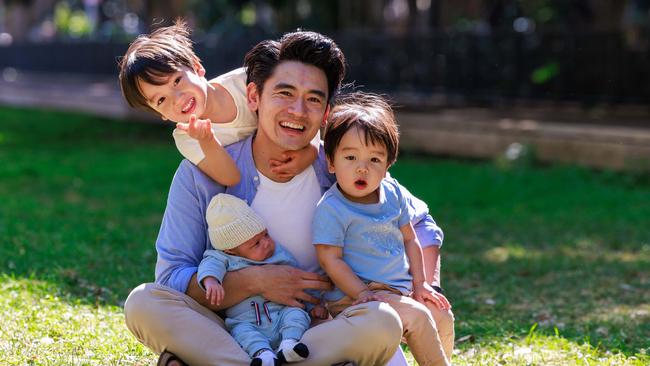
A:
[288, 209]
[238, 129]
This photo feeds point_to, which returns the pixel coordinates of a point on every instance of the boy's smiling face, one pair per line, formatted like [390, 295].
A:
[181, 94]
[359, 165]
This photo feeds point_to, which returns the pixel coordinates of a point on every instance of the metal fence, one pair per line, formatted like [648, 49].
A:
[590, 68]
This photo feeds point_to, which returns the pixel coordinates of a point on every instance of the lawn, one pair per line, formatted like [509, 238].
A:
[544, 265]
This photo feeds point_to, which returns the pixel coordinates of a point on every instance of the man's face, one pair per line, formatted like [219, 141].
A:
[292, 106]
[182, 94]
[258, 248]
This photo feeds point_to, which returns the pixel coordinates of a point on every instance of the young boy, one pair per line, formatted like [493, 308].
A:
[161, 74]
[240, 239]
[363, 237]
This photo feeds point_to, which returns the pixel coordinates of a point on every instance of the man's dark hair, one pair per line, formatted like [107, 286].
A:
[371, 114]
[307, 47]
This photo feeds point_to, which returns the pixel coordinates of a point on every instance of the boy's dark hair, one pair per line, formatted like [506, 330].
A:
[151, 57]
[371, 114]
[303, 46]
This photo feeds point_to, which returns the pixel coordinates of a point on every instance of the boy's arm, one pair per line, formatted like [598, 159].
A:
[217, 164]
[413, 253]
[330, 259]
[294, 162]
[422, 291]
[431, 257]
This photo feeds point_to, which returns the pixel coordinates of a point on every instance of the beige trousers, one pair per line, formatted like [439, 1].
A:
[429, 331]
[164, 319]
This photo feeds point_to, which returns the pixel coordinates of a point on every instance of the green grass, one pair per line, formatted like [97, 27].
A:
[544, 265]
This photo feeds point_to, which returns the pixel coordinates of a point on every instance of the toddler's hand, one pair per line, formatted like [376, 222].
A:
[294, 162]
[213, 290]
[199, 129]
[424, 292]
[367, 296]
[319, 312]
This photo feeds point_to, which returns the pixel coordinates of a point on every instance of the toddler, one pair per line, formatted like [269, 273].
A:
[161, 74]
[363, 236]
[240, 239]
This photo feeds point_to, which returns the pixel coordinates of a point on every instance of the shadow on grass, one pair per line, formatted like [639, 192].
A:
[601, 298]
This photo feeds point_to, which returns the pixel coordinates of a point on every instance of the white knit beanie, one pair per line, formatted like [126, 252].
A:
[231, 222]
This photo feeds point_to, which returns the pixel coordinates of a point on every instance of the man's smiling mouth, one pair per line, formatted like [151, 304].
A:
[293, 126]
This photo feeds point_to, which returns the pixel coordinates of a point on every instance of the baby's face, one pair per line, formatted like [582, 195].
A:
[181, 94]
[359, 166]
[257, 248]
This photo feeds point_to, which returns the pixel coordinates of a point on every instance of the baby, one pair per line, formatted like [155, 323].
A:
[362, 230]
[240, 239]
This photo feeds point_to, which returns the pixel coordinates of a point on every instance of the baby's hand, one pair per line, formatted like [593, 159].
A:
[199, 129]
[213, 290]
[319, 312]
[424, 292]
[294, 162]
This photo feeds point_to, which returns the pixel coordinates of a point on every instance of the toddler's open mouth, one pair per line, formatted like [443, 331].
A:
[189, 106]
[360, 184]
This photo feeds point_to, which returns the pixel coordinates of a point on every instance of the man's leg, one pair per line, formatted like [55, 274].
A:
[367, 334]
[445, 323]
[162, 319]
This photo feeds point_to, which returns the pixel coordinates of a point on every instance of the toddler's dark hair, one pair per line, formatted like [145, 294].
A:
[371, 114]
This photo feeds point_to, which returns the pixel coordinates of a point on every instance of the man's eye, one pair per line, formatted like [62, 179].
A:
[177, 80]
[285, 93]
[315, 100]
[160, 101]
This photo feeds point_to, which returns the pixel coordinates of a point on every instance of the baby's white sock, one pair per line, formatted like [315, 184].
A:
[292, 351]
[266, 358]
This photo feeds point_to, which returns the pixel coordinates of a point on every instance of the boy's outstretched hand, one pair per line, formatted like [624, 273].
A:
[199, 129]
[213, 290]
[424, 292]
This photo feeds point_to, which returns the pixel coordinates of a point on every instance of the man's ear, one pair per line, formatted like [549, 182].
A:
[252, 96]
[325, 116]
[330, 166]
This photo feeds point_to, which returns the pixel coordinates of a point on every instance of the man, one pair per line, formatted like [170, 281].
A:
[291, 83]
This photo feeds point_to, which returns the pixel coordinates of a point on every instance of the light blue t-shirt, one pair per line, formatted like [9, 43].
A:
[373, 245]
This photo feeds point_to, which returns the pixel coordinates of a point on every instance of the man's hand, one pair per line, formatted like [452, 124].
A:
[199, 129]
[294, 162]
[319, 312]
[422, 292]
[286, 285]
[213, 290]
